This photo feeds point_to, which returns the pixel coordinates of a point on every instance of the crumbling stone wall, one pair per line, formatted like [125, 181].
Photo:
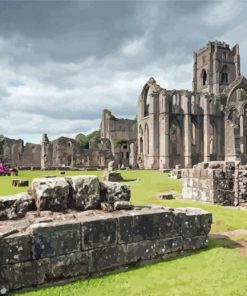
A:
[217, 182]
[67, 152]
[57, 247]
[17, 154]
[122, 134]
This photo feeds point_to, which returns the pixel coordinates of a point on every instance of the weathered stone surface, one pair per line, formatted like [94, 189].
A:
[68, 266]
[113, 191]
[151, 249]
[112, 176]
[15, 248]
[194, 243]
[126, 229]
[14, 206]
[85, 192]
[98, 233]
[25, 274]
[107, 258]
[149, 226]
[35, 251]
[50, 193]
[51, 239]
[122, 205]
[106, 207]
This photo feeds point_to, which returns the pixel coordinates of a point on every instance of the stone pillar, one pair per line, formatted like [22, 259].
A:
[206, 129]
[164, 132]
[187, 132]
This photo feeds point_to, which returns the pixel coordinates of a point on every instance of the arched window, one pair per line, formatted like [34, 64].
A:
[204, 77]
[192, 103]
[141, 145]
[174, 99]
[147, 96]
[224, 75]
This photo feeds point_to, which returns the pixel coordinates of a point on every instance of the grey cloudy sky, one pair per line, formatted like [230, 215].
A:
[62, 62]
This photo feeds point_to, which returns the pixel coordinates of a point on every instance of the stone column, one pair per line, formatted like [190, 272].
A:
[187, 132]
[206, 129]
[164, 132]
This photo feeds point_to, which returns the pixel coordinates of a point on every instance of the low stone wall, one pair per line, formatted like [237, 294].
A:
[216, 182]
[56, 247]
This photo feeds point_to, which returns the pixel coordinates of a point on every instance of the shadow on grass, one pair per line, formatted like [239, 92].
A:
[129, 180]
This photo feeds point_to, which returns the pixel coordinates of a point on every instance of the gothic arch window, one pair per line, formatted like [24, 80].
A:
[193, 103]
[224, 75]
[141, 145]
[174, 99]
[147, 96]
[175, 137]
[69, 144]
[204, 77]
[146, 139]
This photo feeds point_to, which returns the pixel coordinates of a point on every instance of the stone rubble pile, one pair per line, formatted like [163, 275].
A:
[64, 193]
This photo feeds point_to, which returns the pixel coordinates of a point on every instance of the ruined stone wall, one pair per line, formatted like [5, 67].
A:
[59, 247]
[67, 152]
[17, 154]
[178, 127]
[122, 133]
[216, 182]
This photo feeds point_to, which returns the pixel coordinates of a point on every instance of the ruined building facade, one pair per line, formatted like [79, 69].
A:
[122, 134]
[67, 152]
[181, 127]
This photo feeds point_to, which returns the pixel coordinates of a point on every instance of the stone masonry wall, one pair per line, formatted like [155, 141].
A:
[57, 247]
[217, 182]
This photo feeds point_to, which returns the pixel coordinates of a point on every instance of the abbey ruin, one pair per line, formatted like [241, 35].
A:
[173, 127]
[181, 127]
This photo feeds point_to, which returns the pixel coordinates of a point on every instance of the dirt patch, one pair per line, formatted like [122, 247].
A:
[233, 239]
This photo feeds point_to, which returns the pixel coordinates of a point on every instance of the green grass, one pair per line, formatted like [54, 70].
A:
[218, 270]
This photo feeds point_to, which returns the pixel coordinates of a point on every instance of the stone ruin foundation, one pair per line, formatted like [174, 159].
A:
[216, 182]
[71, 236]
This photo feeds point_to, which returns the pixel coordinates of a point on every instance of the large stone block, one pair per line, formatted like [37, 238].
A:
[51, 193]
[196, 242]
[151, 225]
[125, 229]
[15, 248]
[114, 191]
[147, 250]
[97, 233]
[107, 258]
[24, 275]
[51, 239]
[68, 266]
[85, 192]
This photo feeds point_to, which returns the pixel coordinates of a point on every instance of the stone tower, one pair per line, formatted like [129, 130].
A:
[216, 65]
[45, 152]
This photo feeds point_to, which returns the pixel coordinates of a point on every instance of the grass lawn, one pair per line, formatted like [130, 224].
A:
[220, 269]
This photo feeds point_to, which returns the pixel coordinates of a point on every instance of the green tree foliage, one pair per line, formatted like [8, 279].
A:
[84, 139]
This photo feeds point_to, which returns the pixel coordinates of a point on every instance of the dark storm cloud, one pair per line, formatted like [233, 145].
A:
[62, 62]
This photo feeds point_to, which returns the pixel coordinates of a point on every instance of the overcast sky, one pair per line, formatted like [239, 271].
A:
[62, 62]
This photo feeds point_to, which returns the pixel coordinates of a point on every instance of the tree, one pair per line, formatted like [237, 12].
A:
[83, 140]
